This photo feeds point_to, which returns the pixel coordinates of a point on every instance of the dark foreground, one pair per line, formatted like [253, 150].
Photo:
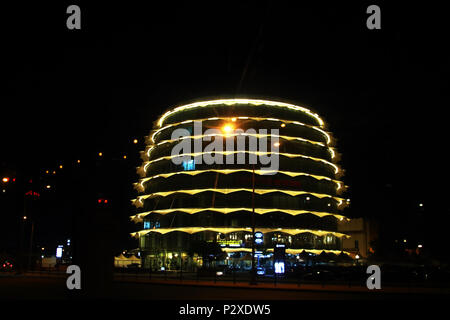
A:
[22, 287]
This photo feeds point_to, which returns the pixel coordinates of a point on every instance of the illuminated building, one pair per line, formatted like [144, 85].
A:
[297, 204]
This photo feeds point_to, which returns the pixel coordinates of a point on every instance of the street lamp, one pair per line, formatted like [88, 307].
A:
[253, 276]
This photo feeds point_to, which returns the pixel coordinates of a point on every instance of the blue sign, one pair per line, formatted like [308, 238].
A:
[150, 225]
[189, 165]
[259, 237]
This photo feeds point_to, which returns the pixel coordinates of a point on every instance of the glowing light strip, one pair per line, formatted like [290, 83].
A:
[238, 101]
[192, 230]
[289, 251]
[227, 191]
[257, 135]
[258, 153]
[229, 171]
[230, 210]
[326, 134]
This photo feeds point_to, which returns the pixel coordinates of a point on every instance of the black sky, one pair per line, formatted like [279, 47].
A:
[384, 93]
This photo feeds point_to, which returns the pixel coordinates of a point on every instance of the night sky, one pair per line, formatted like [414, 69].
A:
[70, 94]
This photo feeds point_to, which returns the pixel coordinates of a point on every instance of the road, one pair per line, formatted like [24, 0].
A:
[20, 287]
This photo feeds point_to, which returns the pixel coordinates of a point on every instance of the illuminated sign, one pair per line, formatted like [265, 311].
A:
[230, 243]
[279, 267]
[32, 193]
[189, 165]
[259, 237]
[59, 251]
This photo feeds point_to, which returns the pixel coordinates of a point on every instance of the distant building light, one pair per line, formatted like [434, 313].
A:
[24, 217]
[61, 166]
[125, 156]
[48, 186]
[420, 204]
[78, 161]
[283, 125]
[419, 246]
[135, 141]
[276, 144]
[100, 154]
[404, 240]
[5, 179]
[357, 256]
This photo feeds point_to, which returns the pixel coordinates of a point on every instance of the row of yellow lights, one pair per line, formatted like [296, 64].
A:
[258, 153]
[257, 135]
[254, 102]
[100, 154]
[138, 217]
[192, 230]
[339, 184]
[289, 251]
[138, 202]
[283, 124]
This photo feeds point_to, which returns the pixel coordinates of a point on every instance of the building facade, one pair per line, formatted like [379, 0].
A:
[213, 170]
[363, 232]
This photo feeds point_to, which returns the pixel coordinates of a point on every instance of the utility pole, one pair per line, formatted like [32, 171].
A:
[253, 275]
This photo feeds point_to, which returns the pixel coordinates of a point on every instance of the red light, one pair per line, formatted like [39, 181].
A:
[31, 181]
[105, 201]
[14, 179]
[99, 200]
